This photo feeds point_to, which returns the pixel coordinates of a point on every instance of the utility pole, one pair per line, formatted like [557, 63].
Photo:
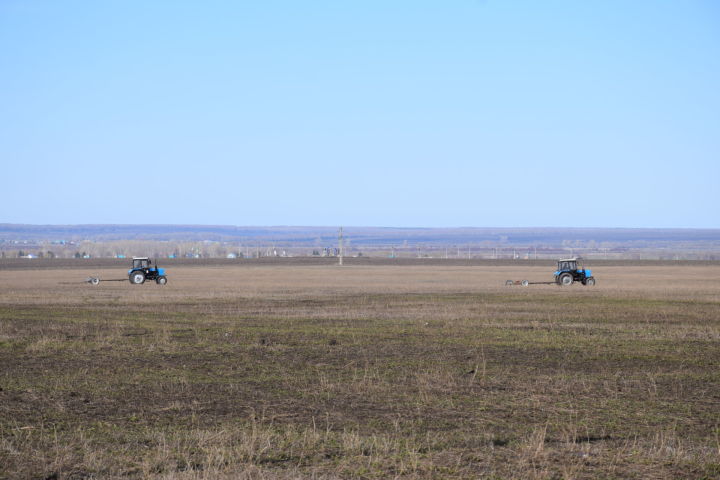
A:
[340, 246]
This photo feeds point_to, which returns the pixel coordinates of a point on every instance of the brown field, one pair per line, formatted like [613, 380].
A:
[273, 371]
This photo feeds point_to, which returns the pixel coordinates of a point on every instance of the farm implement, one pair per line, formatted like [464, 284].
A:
[569, 271]
[141, 271]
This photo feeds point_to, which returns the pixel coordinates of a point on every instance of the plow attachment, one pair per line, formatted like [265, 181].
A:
[96, 280]
[525, 283]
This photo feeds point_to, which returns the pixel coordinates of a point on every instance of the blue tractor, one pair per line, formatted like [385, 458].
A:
[570, 270]
[142, 270]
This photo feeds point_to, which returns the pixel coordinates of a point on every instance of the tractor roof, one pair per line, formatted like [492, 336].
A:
[141, 258]
[574, 259]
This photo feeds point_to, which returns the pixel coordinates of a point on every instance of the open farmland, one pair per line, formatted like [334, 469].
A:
[363, 371]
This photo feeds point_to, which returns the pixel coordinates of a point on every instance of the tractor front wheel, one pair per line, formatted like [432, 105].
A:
[137, 278]
[590, 281]
[566, 279]
[161, 280]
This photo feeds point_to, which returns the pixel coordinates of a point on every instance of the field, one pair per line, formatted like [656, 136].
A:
[364, 371]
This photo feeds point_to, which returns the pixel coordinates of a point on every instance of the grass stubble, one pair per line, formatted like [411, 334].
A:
[276, 372]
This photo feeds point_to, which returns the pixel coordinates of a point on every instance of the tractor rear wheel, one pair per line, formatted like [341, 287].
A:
[566, 279]
[161, 280]
[137, 278]
[590, 281]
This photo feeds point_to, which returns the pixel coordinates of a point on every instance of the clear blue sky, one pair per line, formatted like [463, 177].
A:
[387, 113]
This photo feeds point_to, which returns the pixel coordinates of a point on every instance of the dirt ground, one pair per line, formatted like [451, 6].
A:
[363, 371]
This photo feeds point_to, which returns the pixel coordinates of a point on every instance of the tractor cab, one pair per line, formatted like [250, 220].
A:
[570, 270]
[142, 270]
[141, 262]
[567, 265]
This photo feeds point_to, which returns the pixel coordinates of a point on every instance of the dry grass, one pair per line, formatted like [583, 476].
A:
[274, 372]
